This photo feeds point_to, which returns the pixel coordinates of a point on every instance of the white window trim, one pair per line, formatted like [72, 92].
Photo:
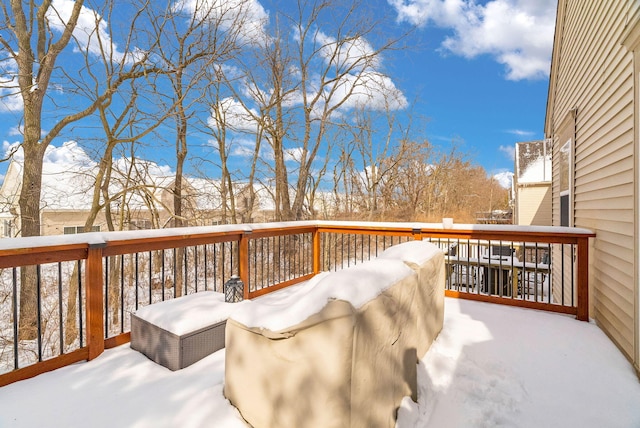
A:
[78, 229]
[569, 191]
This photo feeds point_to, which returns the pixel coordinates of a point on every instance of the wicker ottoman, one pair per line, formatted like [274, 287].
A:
[177, 333]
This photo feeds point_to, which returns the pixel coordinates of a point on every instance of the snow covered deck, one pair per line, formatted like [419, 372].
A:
[491, 366]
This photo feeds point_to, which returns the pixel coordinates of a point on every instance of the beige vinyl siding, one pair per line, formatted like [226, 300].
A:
[54, 221]
[594, 74]
[534, 205]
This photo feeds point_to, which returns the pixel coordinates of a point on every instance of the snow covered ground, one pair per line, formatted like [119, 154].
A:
[491, 366]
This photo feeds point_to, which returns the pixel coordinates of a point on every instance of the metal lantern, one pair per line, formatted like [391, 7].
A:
[233, 290]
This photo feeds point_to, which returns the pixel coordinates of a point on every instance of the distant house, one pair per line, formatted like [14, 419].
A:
[532, 183]
[593, 120]
[141, 202]
[494, 217]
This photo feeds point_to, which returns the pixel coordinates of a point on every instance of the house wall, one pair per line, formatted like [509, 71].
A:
[54, 222]
[533, 205]
[591, 103]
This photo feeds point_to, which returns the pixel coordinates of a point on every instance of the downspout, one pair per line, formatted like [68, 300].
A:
[631, 40]
[636, 204]
[636, 217]
[574, 115]
[550, 121]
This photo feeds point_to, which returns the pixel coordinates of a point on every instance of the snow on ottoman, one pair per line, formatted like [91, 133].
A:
[176, 333]
[337, 352]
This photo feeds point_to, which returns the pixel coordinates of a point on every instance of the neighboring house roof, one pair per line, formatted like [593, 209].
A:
[64, 189]
[10, 188]
[72, 190]
[533, 162]
[69, 175]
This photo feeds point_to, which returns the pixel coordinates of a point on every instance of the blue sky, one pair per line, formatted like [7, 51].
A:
[481, 72]
[476, 71]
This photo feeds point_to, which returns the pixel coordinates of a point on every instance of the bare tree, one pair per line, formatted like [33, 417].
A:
[195, 36]
[418, 182]
[218, 126]
[122, 127]
[377, 149]
[231, 124]
[28, 23]
[300, 80]
[36, 36]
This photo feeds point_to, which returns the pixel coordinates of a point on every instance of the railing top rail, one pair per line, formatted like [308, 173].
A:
[561, 237]
[460, 228]
[90, 239]
[37, 244]
[101, 238]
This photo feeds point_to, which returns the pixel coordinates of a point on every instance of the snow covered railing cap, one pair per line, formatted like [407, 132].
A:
[97, 238]
[415, 227]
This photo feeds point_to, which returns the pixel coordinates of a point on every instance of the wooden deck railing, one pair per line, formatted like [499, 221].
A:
[87, 285]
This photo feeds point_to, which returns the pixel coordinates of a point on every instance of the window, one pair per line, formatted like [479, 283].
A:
[7, 230]
[565, 178]
[139, 224]
[72, 230]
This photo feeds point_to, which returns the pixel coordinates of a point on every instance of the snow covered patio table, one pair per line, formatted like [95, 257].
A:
[340, 350]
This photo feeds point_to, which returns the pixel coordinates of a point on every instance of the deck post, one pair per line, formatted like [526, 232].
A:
[243, 263]
[582, 268]
[316, 251]
[417, 234]
[95, 301]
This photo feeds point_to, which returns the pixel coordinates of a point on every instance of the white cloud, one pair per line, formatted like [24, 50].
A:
[373, 90]
[241, 147]
[504, 178]
[293, 155]
[247, 16]
[366, 176]
[18, 130]
[91, 31]
[517, 33]
[148, 171]
[521, 132]
[351, 53]
[67, 173]
[245, 148]
[232, 114]
[363, 84]
[70, 155]
[10, 99]
[509, 151]
[8, 149]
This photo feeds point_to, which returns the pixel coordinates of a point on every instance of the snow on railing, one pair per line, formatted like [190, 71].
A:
[66, 298]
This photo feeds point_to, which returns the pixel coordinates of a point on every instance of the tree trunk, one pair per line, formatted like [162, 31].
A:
[29, 203]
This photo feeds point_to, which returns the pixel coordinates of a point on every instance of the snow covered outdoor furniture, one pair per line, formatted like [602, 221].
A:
[338, 351]
[176, 333]
[428, 261]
